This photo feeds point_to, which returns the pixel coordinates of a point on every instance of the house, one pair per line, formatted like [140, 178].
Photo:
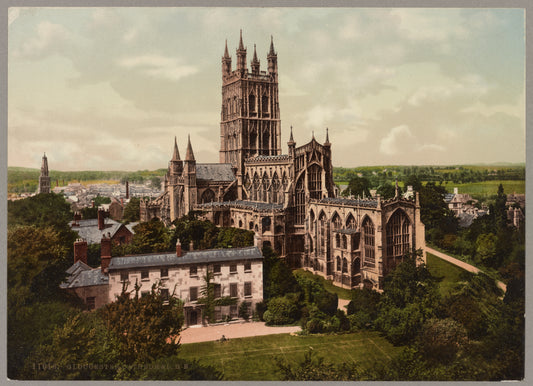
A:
[236, 273]
[92, 230]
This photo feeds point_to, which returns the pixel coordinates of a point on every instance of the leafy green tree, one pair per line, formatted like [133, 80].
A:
[486, 248]
[281, 310]
[89, 212]
[45, 209]
[386, 191]
[151, 236]
[132, 210]
[278, 278]
[441, 339]
[142, 329]
[358, 186]
[314, 368]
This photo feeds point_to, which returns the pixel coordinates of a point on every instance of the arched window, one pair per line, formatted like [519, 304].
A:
[251, 103]
[322, 232]
[207, 196]
[311, 221]
[398, 234]
[339, 267]
[276, 183]
[350, 222]
[264, 187]
[314, 178]
[344, 265]
[356, 266]
[337, 240]
[240, 223]
[344, 242]
[300, 201]
[266, 143]
[264, 104]
[336, 221]
[251, 225]
[369, 257]
[255, 188]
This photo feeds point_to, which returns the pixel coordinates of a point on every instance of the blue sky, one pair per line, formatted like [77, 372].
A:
[109, 88]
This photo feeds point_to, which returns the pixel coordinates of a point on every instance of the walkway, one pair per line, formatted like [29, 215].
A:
[231, 331]
[461, 264]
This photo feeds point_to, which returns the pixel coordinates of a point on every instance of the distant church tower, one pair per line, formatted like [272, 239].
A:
[250, 120]
[44, 179]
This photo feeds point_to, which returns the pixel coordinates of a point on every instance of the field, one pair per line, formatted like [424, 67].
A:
[252, 359]
[488, 188]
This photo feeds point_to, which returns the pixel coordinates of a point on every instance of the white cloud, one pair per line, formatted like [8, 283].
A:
[424, 25]
[393, 143]
[49, 36]
[158, 66]
[470, 86]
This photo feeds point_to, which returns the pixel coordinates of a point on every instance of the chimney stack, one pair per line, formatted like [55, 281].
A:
[105, 252]
[178, 249]
[80, 251]
[127, 190]
[92, 203]
[101, 218]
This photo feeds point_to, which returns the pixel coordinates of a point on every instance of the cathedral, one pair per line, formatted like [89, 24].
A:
[288, 200]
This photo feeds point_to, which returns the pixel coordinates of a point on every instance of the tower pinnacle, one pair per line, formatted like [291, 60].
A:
[189, 156]
[327, 143]
[241, 46]
[226, 54]
[176, 155]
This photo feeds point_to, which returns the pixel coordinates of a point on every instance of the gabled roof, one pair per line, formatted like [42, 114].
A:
[192, 257]
[88, 229]
[214, 172]
[81, 275]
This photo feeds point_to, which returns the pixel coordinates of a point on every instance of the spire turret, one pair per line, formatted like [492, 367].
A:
[189, 156]
[272, 60]
[226, 54]
[241, 56]
[327, 143]
[255, 63]
[226, 61]
[176, 155]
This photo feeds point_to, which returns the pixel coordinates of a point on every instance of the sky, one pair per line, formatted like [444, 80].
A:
[109, 88]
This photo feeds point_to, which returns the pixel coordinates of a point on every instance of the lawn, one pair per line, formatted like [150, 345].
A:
[253, 359]
[342, 293]
[448, 273]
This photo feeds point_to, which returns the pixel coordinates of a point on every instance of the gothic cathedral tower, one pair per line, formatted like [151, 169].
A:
[44, 178]
[250, 120]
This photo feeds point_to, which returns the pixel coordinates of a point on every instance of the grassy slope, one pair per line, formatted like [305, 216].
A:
[253, 358]
[448, 273]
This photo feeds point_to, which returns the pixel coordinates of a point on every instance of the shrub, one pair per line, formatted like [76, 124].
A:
[280, 311]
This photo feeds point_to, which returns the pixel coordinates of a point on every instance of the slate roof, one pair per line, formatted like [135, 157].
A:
[448, 197]
[214, 172]
[192, 257]
[349, 202]
[81, 275]
[88, 229]
[266, 158]
[255, 205]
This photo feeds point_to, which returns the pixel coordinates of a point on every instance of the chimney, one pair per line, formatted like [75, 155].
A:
[191, 246]
[80, 251]
[127, 190]
[105, 252]
[178, 248]
[92, 202]
[455, 190]
[101, 219]
[77, 218]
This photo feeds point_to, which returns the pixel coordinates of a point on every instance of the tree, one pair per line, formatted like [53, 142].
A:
[142, 329]
[485, 248]
[281, 310]
[358, 186]
[151, 236]
[132, 210]
[314, 368]
[243, 311]
[441, 339]
[278, 278]
[45, 209]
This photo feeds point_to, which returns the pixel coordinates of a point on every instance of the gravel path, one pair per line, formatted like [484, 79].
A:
[230, 331]
[461, 264]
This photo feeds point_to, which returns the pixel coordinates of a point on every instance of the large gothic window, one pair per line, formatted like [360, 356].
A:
[369, 257]
[266, 143]
[264, 188]
[264, 105]
[207, 196]
[300, 201]
[344, 265]
[314, 178]
[255, 188]
[398, 234]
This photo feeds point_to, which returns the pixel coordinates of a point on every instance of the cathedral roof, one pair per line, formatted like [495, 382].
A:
[192, 257]
[214, 172]
[349, 202]
[267, 158]
[255, 205]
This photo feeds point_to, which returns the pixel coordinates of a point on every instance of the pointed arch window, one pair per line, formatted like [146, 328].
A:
[350, 222]
[337, 240]
[337, 222]
[264, 105]
[314, 178]
[398, 232]
[369, 242]
[300, 202]
[339, 266]
[251, 103]
[207, 196]
[275, 188]
[322, 221]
